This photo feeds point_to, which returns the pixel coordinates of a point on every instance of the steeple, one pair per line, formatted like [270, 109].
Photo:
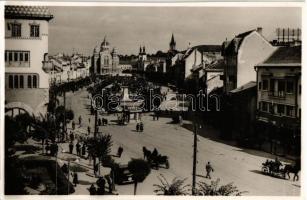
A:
[144, 52]
[104, 44]
[140, 49]
[172, 44]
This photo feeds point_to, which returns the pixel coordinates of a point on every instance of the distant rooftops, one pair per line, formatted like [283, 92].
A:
[28, 12]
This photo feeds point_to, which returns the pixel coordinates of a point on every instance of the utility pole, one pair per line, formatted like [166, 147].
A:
[64, 123]
[194, 158]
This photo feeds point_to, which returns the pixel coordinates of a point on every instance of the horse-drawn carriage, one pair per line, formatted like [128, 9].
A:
[155, 159]
[274, 168]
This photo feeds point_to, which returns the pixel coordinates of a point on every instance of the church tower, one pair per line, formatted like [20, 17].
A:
[172, 44]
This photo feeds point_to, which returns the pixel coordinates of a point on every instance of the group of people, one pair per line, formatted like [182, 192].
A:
[51, 149]
[139, 127]
[65, 169]
[80, 148]
[101, 183]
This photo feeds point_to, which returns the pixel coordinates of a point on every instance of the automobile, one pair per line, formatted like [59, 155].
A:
[122, 174]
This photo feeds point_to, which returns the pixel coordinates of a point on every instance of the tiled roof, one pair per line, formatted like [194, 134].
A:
[203, 48]
[244, 87]
[218, 64]
[285, 55]
[233, 46]
[27, 12]
[208, 48]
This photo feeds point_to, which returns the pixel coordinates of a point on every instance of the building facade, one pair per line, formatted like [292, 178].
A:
[104, 60]
[279, 93]
[26, 45]
[241, 54]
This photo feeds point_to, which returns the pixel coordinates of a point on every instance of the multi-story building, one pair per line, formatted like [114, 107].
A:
[193, 58]
[104, 60]
[26, 45]
[279, 91]
[241, 54]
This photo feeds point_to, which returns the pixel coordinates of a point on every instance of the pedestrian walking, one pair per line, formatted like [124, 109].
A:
[99, 122]
[109, 181]
[92, 190]
[89, 120]
[180, 120]
[154, 117]
[73, 125]
[101, 185]
[157, 116]
[89, 130]
[71, 136]
[80, 120]
[75, 179]
[71, 147]
[141, 126]
[209, 169]
[78, 148]
[96, 169]
[120, 151]
[137, 127]
[83, 149]
[65, 169]
[53, 149]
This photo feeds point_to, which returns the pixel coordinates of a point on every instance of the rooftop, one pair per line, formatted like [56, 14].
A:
[285, 55]
[244, 87]
[28, 12]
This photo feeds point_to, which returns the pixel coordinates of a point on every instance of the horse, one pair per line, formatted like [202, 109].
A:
[295, 169]
[147, 153]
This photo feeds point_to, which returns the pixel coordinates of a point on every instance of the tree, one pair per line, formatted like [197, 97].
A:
[213, 189]
[99, 147]
[140, 170]
[176, 187]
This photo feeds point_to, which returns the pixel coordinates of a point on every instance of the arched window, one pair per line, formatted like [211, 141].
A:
[21, 81]
[11, 84]
[29, 81]
[34, 81]
[16, 81]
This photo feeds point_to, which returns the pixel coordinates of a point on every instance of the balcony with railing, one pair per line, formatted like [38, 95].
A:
[277, 94]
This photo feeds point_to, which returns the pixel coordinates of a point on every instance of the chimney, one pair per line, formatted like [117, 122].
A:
[259, 30]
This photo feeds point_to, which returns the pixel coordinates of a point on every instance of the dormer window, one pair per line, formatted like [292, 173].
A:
[34, 30]
[16, 29]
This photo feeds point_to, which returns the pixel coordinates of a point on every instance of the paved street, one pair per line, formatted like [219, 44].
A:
[231, 164]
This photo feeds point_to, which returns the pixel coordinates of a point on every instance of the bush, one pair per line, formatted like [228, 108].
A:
[176, 187]
[213, 189]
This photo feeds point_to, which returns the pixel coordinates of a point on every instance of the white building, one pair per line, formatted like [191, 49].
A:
[26, 44]
[241, 54]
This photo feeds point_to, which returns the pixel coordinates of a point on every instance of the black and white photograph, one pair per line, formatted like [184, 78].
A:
[160, 99]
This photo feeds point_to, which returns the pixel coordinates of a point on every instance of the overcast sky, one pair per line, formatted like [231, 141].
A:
[126, 28]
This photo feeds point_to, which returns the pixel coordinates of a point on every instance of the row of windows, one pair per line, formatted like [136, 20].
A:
[21, 56]
[277, 109]
[18, 81]
[276, 85]
[15, 29]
